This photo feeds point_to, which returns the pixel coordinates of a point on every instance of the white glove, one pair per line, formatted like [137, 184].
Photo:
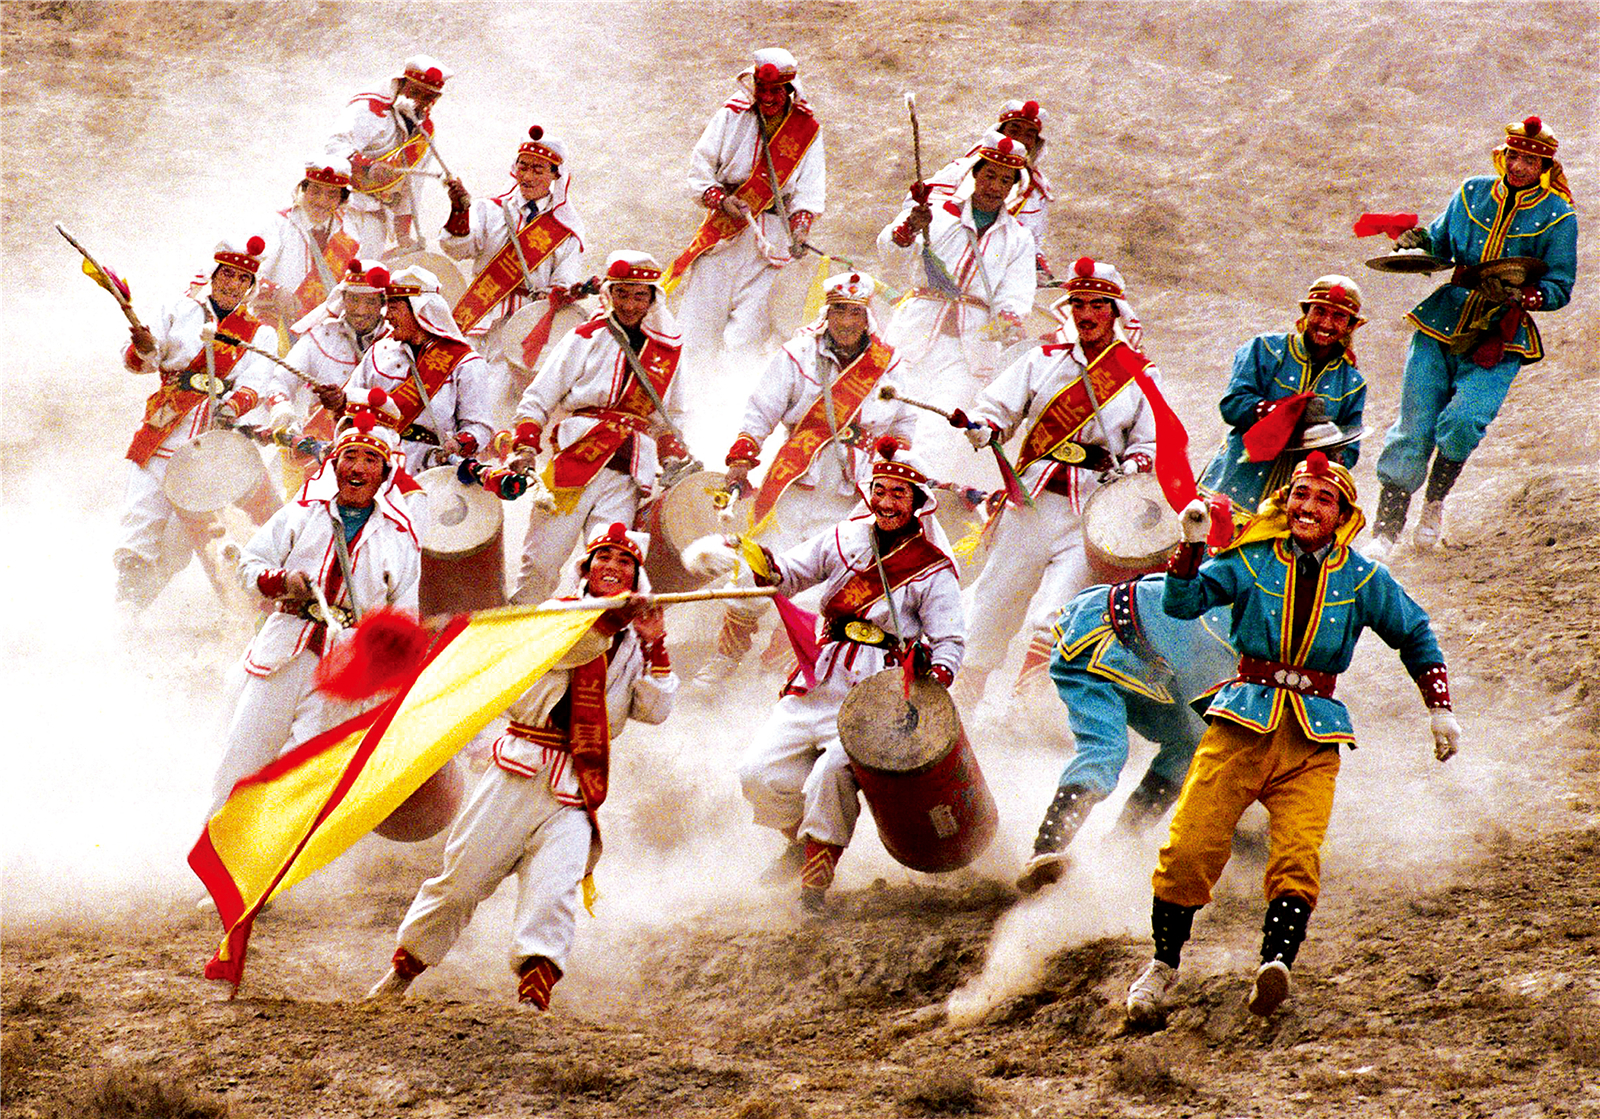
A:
[980, 436]
[1411, 239]
[1128, 465]
[1195, 521]
[711, 557]
[282, 416]
[1446, 733]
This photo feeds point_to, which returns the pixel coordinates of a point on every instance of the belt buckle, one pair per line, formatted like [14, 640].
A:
[1069, 452]
[864, 633]
[1289, 678]
[340, 614]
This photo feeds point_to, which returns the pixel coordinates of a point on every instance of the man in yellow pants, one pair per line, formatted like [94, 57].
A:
[1301, 597]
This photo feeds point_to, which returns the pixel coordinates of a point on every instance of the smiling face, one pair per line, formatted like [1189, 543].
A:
[1327, 326]
[1024, 132]
[771, 99]
[892, 503]
[1522, 169]
[1095, 317]
[631, 302]
[611, 571]
[229, 286]
[1315, 509]
[534, 175]
[990, 184]
[359, 472]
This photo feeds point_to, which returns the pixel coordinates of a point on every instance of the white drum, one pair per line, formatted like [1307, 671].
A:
[452, 284]
[213, 471]
[1128, 528]
[460, 520]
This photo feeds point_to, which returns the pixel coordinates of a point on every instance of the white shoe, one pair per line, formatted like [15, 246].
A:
[1270, 988]
[1151, 993]
[1378, 549]
[1430, 526]
[390, 989]
[1041, 871]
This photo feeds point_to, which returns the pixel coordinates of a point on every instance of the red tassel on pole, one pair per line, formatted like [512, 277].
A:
[801, 627]
[1172, 447]
[380, 656]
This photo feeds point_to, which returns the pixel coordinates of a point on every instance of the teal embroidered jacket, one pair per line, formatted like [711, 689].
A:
[1352, 593]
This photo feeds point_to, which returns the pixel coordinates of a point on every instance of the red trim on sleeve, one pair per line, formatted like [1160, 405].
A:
[1434, 684]
[1185, 561]
[272, 583]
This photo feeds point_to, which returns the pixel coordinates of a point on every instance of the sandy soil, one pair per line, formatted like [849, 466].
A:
[1217, 153]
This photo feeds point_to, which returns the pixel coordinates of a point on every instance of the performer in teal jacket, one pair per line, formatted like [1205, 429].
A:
[1300, 598]
[1270, 398]
[1475, 332]
[1122, 663]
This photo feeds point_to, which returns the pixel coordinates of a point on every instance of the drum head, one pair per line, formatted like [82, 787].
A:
[458, 520]
[452, 284]
[689, 511]
[881, 730]
[520, 325]
[1129, 523]
[212, 472]
[1406, 260]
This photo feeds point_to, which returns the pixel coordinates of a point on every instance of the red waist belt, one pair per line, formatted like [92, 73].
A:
[553, 737]
[1294, 677]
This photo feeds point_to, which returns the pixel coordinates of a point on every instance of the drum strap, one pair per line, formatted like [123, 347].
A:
[346, 568]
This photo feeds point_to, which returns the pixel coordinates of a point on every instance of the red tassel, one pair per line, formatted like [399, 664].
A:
[1220, 534]
[385, 650]
[1532, 126]
[255, 246]
[1172, 447]
[1392, 224]
[1269, 435]
[801, 626]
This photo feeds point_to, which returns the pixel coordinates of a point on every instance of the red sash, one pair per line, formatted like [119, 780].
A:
[503, 274]
[575, 467]
[788, 145]
[811, 434]
[590, 732]
[1070, 409]
[340, 250]
[169, 403]
[435, 363]
[907, 561]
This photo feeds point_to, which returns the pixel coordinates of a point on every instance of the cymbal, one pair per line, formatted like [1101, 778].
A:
[1406, 260]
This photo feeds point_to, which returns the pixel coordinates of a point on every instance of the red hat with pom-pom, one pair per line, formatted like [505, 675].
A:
[616, 535]
[364, 275]
[368, 422]
[246, 258]
[1003, 150]
[1529, 135]
[329, 170]
[629, 266]
[1028, 112]
[890, 459]
[426, 72]
[1318, 465]
[1337, 292]
[848, 287]
[772, 66]
[543, 147]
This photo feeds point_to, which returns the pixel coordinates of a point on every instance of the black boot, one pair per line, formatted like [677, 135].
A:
[1442, 477]
[1170, 925]
[1282, 931]
[1061, 822]
[1390, 519]
[1148, 802]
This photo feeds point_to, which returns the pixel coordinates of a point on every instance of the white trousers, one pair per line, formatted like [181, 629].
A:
[510, 825]
[726, 299]
[610, 496]
[1036, 557]
[146, 513]
[796, 775]
[272, 715]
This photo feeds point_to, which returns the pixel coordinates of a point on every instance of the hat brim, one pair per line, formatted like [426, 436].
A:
[1406, 261]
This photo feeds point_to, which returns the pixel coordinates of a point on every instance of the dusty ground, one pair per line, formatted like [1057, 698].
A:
[1218, 154]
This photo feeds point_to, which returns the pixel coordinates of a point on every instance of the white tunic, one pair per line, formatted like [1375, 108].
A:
[792, 383]
[176, 328]
[1018, 396]
[292, 255]
[587, 369]
[489, 231]
[370, 125]
[328, 353]
[727, 155]
[1032, 208]
[462, 403]
[385, 560]
[927, 607]
[1006, 250]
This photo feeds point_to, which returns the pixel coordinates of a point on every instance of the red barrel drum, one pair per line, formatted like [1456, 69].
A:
[917, 772]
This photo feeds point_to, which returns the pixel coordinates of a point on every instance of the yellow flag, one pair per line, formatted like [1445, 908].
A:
[814, 295]
[306, 809]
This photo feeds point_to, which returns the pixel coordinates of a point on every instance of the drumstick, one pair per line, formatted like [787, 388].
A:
[615, 601]
[230, 340]
[889, 392]
[1008, 473]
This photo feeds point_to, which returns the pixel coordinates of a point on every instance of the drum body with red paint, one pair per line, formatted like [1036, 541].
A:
[917, 772]
[429, 810]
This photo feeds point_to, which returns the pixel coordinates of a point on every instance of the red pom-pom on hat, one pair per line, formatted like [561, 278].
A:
[619, 270]
[767, 74]
[434, 76]
[536, 133]
[1317, 464]
[1030, 108]
[1005, 145]
[1337, 293]
[887, 446]
[376, 397]
[378, 277]
[255, 246]
[1084, 266]
[855, 277]
[1532, 126]
[363, 420]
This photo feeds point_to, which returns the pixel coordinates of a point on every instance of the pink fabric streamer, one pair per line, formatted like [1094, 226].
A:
[801, 626]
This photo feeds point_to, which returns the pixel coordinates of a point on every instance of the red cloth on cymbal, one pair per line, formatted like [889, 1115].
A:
[1269, 435]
